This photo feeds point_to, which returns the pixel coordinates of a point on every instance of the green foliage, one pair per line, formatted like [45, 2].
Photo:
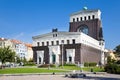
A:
[29, 64]
[46, 65]
[6, 54]
[29, 70]
[69, 65]
[117, 50]
[118, 62]
[18, 59]
[109, 60]
[112, 68]
[31, 60]
[92, 64]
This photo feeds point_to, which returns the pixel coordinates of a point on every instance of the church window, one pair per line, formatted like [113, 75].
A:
[93, 16]
[73, 19]
[83, 28]
[77, 19]
[81, 18]
[68, 42]
[85, 18]
[47, 43]
[88, 17]
[52, 42]
[57, 42]
[73, 41]
[38, 44]
[62, 41]
[42, 43]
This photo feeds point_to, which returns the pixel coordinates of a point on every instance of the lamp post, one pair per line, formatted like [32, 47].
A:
[62, 52]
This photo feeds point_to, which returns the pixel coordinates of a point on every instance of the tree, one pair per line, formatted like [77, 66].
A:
[117, 50]
[6, 54]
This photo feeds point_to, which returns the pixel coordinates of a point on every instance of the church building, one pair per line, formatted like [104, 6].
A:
[83, 42]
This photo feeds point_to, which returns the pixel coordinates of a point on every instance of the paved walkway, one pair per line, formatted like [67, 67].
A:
[61, 77]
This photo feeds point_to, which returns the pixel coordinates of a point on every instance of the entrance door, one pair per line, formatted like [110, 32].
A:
[39, 60]
[53, 58]
[70, 59]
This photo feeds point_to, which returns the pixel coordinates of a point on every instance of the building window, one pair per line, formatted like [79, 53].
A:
[62, 41]
[38, 44]
[70, 59]
[88, 17]
[73, 41]
[84, 29]
[52, 42]
[77, 19]
[85, 18]
[73, 19]
[54, 35]
[57, 42]
[93, 16]
[81, 18]
[42, 43]
[68, 42]
[47, 43]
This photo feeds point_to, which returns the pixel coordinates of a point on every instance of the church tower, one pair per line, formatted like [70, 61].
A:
[88, 22]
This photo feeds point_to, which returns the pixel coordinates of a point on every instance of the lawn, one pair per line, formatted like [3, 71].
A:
[29, 70]
[46, 70]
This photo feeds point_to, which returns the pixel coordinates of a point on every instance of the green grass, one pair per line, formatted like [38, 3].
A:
[95, 69]
[45, 70]
[28, 70]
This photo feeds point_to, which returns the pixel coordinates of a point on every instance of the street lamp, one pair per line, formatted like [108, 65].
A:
[62, 52]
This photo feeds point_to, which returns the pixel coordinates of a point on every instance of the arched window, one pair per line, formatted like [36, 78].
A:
[83, 28]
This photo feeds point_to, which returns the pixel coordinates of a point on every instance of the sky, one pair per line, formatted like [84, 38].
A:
[22, 19]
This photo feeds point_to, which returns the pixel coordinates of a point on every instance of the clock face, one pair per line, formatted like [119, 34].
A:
[83, 29]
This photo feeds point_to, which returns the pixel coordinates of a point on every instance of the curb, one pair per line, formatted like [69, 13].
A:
[25, 74]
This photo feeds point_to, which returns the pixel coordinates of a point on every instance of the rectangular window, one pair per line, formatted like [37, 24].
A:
[42, 43]
[73, 19]
[84, 18]
[73, 41]
[93, 16]
[68, 42]
[81, 18]
[57, 42]
[89, 17]
[54, 35]
[52, 42]
[77, 19]
[47, 43]
[62, 41]
[38, 44]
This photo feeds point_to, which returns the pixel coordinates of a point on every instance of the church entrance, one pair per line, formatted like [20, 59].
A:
[70, 59]
[39, 60]
[53, 58]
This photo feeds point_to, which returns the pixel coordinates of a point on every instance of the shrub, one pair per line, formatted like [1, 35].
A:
[46, 65]
[86, 64]
[69, 65]
[112, 68]
[29, 64]
[92, 64]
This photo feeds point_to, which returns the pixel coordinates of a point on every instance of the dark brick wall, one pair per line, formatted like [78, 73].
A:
[83, 53]
[46, 53]
[90, 54]
[93, 25]
[77, 51]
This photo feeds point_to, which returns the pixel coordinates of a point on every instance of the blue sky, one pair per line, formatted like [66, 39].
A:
[22, 19]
